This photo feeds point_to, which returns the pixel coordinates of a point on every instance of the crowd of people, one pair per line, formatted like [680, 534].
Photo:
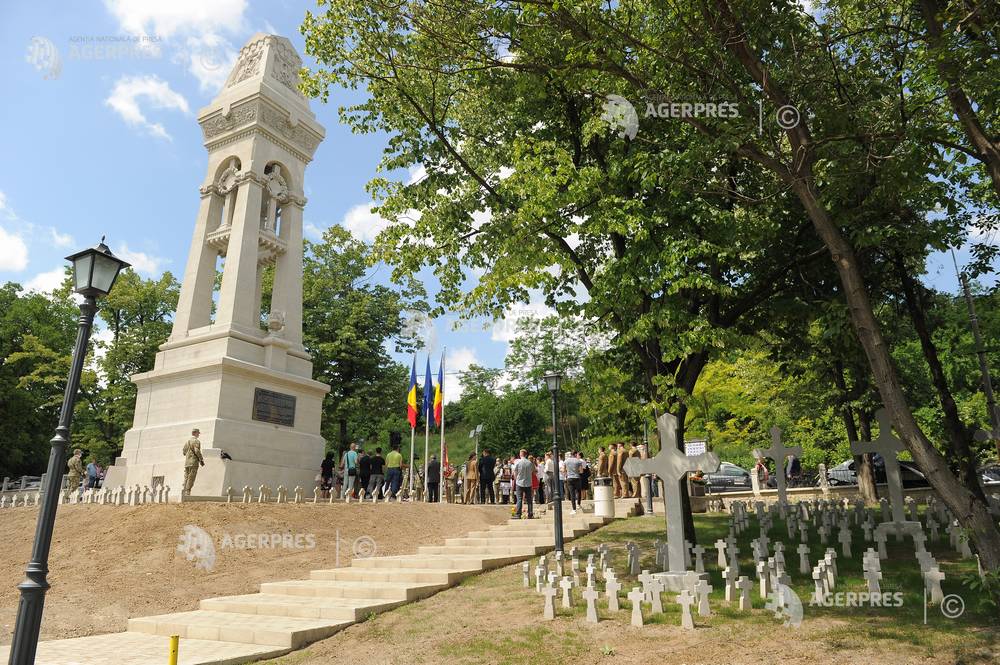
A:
[520, 480]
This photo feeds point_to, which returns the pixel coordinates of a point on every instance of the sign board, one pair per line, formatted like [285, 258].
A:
[272, 407]
[694, 447]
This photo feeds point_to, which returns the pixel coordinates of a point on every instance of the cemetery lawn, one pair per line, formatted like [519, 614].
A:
[108, 564]
[491, 618]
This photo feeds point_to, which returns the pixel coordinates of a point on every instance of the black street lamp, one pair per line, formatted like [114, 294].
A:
[94, 273]
[552, 380]
[650, 479]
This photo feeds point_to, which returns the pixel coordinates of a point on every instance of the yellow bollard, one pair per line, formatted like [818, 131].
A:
[174, 642]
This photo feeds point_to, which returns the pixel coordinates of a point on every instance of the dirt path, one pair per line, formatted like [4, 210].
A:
[108, 564]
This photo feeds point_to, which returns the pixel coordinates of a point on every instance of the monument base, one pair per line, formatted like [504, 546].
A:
[678, 581]
[265, 418]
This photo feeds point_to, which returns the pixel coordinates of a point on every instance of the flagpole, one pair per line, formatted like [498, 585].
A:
[441, 480]
[427, 434]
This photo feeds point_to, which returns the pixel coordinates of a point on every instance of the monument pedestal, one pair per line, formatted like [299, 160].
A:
[677, 581]
[264, 417]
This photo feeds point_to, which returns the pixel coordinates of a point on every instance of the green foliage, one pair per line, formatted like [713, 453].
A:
[347, 322]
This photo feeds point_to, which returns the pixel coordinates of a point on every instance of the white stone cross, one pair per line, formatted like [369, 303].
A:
[932, 580]
[703, 588]
[550, 592]
[888, 446]
[744, 585]
[590, 594]
[720, 546]
[526, 573]
[636, 596]
[819, 578]
[685, 599]
[845, 542]
[880, 538]
[611, 589]
[645, 579]
[729, 579]
[804, 559]
[699, 558]
[539, 578]
[656, 587]
[567, 587]
[778, 452]
[872, 577]
[670, 465]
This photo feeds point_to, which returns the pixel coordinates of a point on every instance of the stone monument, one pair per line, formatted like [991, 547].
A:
[236, 372]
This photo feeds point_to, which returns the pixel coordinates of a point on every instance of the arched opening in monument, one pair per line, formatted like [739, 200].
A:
[275, 195]
[226, 185]
[220, 266]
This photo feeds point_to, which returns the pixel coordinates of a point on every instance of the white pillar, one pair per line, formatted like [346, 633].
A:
[286, 295]
[236, 301]
[194, 306]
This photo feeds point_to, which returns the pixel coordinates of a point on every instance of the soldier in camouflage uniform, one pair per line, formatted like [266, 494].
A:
[192, 460]
[76, 471]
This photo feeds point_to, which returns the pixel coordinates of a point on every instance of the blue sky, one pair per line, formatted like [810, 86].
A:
[103, 139]
[100, 137]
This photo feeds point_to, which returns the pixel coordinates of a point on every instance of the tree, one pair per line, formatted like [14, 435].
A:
[37, 332]
[530, 189]
[348, 320]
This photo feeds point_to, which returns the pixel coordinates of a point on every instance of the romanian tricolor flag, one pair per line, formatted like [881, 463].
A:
[411, 396]
[439, 394]
[428, 394]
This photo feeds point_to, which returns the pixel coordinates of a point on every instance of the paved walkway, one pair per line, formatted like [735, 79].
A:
[287, 615]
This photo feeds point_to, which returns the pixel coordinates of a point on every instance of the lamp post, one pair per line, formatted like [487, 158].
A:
[650, 479]
[477, 432]
[94, 273]
[552, 380]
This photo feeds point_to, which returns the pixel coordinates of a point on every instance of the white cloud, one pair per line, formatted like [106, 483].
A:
[46, 282]
[363, 223]
[197, 28]
[166, 19]
[209, 58]
[313, 231]
[63, 240]
[128, 90]
[13, 252]
[142, 263]
[458, 360]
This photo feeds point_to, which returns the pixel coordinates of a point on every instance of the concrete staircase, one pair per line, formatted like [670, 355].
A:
[288, 615]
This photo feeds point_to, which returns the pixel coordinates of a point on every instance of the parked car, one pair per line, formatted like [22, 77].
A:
[844, 473]
[728, 477]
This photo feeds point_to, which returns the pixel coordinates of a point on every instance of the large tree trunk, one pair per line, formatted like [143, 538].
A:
[862, 463]
[971, 511]
[959, 452]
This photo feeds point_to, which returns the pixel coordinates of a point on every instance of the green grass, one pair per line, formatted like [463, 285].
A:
[500, 621]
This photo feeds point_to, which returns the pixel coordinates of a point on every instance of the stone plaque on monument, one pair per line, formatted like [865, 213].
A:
[272, 407]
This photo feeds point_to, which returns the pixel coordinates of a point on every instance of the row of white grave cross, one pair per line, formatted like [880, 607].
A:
[830, 519]
[549, 583]
[280, 494]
